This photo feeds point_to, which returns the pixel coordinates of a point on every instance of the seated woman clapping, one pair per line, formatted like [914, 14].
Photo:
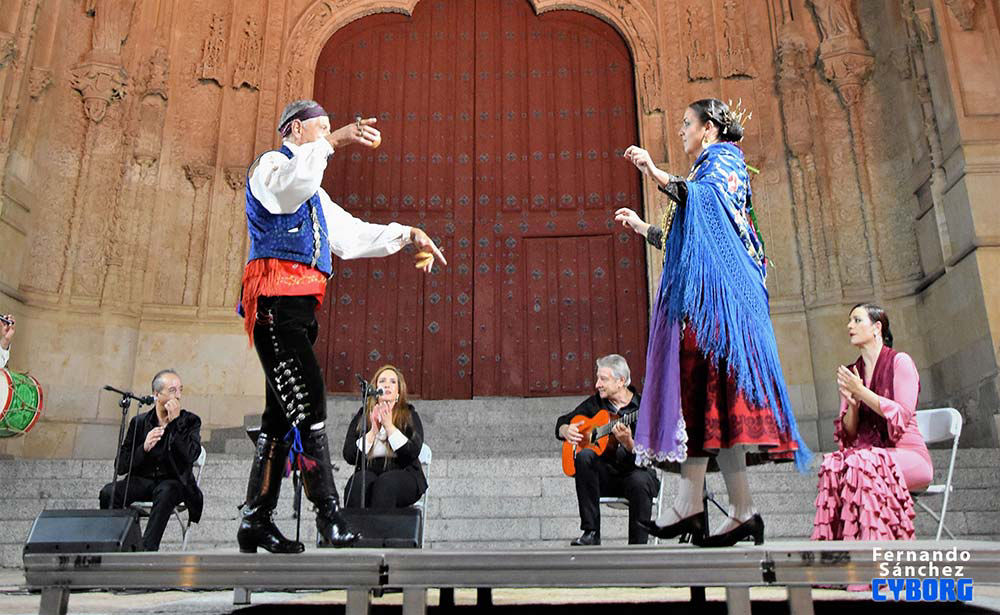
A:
[864, 486]
[394, 436]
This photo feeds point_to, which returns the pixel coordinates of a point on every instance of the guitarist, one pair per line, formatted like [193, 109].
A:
[614, 473]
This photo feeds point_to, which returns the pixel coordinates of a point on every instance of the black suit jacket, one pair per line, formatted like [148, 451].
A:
[182, 440]
[406, 458]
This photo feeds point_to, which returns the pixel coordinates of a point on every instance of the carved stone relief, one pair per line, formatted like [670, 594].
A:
[100, 85]
[199, 175]
[8, 49]
[213, 52]
[39, 79]
[152, 80]
[699, 59]
[925, 21]
[964, 12]
[247, 71]
[100, 77]
[736, 59]
[236, 178]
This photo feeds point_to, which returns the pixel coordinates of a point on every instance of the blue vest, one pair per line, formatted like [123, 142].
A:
[299, 236]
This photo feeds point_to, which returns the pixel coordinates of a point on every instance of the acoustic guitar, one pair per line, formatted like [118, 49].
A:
[597, 436]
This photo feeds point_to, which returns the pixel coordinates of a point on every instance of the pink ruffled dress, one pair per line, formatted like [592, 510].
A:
[864, 488]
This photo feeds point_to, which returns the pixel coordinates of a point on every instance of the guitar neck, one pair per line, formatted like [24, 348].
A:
[627, 419]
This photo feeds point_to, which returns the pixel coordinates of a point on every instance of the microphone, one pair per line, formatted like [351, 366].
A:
[366, 388]
[144, 400]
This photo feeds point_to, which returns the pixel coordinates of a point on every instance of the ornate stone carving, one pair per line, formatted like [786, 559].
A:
[699, 61]
[8, 48]
[793, 66]
[38, 79]
[100, 85]
[100, 77]
[198, 174]
[925, 22]
[964, 12]
[247, 71]
[847, 62]
[144, 161]
[735, 60]
[236, 178]
[152, 80]
[213, 52]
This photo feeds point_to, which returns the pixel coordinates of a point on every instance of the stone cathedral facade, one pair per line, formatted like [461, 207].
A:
[126, 127]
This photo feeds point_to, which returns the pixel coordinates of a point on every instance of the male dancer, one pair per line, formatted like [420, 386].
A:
[293, 227]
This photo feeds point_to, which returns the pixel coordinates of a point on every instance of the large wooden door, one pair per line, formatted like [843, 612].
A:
[502, 136]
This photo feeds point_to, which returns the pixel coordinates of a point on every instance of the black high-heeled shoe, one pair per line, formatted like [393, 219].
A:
[690, 529]
[752, 527]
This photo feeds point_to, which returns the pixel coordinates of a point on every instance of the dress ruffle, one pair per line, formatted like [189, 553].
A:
[862, 496]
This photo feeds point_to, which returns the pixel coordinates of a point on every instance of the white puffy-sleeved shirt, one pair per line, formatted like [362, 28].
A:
[283, 184]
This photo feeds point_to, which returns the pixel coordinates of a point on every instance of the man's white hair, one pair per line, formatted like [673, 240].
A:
[618, 366]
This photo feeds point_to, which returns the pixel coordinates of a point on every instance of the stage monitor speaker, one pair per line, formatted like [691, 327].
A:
[397, 528]
[84, 531]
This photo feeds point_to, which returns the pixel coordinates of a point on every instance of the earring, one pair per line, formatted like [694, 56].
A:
[704, 142]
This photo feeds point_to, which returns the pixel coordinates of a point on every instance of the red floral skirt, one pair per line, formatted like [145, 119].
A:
[717, 416]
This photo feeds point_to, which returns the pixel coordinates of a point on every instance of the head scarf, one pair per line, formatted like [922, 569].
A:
[306, 113]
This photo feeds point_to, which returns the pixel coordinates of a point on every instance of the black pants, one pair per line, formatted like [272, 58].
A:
[596, 477]
[165, 495]
[284, 333]
[390, 489]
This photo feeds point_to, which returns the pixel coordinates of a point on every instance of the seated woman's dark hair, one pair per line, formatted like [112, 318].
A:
[877, 314]
[715, 111]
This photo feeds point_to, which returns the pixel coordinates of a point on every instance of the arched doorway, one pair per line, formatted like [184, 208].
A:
[502, 136]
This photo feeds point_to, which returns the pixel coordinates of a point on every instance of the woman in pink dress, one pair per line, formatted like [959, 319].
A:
[864, 488]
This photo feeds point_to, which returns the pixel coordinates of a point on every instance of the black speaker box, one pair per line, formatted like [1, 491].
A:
[397, 528]
[84, 531]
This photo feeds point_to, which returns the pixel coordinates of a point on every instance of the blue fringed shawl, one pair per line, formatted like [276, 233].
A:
[713, 279]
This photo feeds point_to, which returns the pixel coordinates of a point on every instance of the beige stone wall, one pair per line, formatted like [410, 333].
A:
[126, 127]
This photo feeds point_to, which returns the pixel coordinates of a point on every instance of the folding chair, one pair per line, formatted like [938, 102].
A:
[622, 503]
[939, 425]
[143, 508]
[425, 460]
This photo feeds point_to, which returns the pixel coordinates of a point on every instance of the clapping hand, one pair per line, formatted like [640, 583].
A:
[850, 381]
[6, 332]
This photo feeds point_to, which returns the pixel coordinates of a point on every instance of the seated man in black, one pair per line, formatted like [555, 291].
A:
[614, 473]
[158, 453]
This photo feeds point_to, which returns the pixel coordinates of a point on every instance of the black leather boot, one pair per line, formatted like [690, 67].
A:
[257, 529]
[317, 478]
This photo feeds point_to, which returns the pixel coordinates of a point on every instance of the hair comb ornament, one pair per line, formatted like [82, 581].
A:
[738, 114]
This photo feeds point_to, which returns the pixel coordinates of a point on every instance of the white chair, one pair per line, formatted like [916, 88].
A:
[143, 508]
[622, 503]
[939, 425]
[425, 457]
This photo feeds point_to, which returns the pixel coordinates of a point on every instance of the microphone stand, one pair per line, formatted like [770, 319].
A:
[125, 403]
[365, 390]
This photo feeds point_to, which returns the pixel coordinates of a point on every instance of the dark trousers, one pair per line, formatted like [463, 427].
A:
[283, 335]
[596, 477]
[390, 489]
[165, 495]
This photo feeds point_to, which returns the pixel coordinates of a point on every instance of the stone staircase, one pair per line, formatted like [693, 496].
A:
[495, 482]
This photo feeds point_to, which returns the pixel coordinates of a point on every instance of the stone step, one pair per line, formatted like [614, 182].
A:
[481, 416]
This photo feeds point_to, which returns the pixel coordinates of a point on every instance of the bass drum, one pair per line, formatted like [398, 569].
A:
[21, 402]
